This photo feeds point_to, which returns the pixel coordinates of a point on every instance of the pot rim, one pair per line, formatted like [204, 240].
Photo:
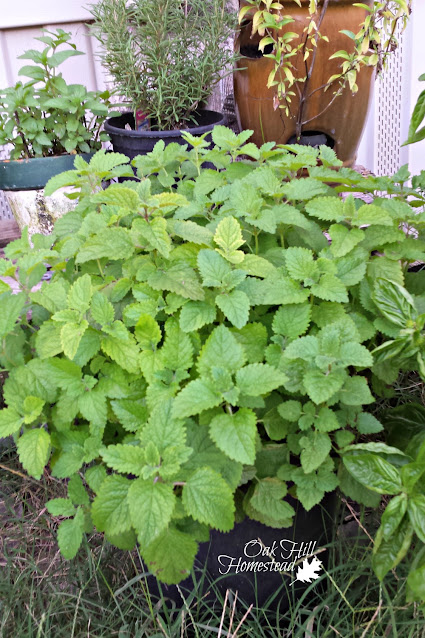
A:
[110, 128]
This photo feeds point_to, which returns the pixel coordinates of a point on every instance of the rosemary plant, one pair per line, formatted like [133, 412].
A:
[165, 57]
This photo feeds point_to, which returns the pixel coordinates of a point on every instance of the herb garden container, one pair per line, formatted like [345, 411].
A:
[125, 139]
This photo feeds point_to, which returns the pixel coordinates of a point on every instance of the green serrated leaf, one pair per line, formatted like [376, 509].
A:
[196, 396]
[235, 434]
[34, 451]
[151, 506]
[208, 499]
[171, 567]
[235, 306]
[110, 510]
[228, 236]
[256, 379]
[70, 535]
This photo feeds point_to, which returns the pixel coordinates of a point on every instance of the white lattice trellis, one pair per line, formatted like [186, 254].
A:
[392, 105]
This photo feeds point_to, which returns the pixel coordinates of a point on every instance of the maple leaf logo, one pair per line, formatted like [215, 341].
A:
[307, 572]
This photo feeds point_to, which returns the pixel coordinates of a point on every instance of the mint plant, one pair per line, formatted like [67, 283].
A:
[211, 341]
[46, 116]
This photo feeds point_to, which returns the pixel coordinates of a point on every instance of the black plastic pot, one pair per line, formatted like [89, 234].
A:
[133, 143]
[34, 173]
[238, 551]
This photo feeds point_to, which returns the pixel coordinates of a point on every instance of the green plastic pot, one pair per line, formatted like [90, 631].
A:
[34, 173]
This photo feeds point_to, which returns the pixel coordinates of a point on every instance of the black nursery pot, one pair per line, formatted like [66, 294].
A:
[133, 143]
[238, 561]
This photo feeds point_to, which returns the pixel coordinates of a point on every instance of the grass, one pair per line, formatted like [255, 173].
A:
[102, 594]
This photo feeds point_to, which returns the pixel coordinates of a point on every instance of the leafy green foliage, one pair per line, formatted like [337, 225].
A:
[184, 358]
[46, 116]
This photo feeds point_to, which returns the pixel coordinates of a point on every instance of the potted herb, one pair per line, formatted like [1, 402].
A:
[164, 59]
[208, 354]
[47, 122]
[308, 68]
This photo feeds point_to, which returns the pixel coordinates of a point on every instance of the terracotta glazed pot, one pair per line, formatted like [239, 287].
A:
[342, 123]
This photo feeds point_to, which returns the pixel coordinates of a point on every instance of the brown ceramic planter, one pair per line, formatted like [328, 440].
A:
[343, 121]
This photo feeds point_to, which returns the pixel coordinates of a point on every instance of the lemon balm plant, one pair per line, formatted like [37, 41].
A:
[203, 349]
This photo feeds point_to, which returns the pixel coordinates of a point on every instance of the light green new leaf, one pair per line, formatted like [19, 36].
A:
[94, 476]
[118, 195]
[228, 236]
[147, 332]
[256, 379]
[70, 535]
[71, 335]
[110, 510]
[151, 507]
[34, 451]
[306, 348]
[80, 295]
[304, 189]
[163, 429]
[208, 499]
[197, 396]
[368, 424]
[171, 566]
[235, 435]
[101, 309]
[235, 306]
[10, 422]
